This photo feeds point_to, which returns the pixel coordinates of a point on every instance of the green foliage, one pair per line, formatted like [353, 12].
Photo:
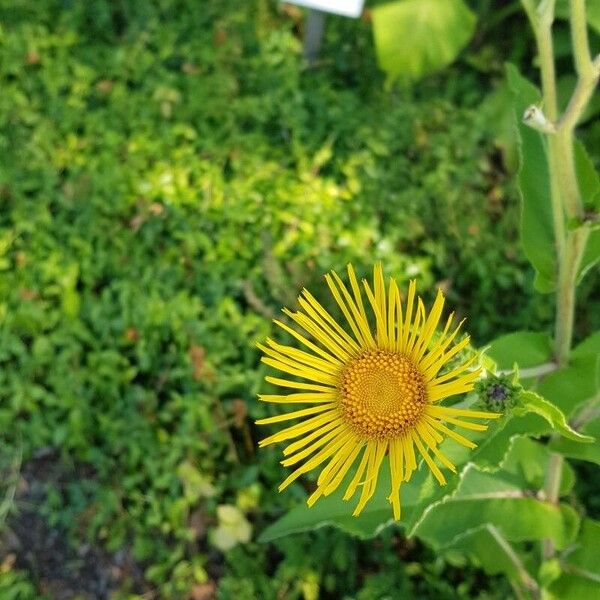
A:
[581, 573]
[524, 348]
[589, 189]
[537, 233]
[532, 402]
[170, 175]
[416, 37]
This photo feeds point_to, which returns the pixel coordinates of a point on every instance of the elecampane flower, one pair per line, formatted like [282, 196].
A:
[372, 390]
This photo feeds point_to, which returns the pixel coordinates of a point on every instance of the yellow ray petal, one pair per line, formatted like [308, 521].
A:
[441, 411]
[337, 480]
[310, 398]
[410, 461]
[296, 414]
[450, 433]
[455, 372]
[360, 318]
[316, 460]
[408, 316]
[369, 448]
[315, 431]
[380, 297]
[310, 448]
[356, 292]
[397, 474]
[391, 320]
[299, 385]
[429, 439]
[303, 372]
[328, 357]
[306, 358]
[445, 390]
[359, 325]
[379, 318]
[299, 364]
[416, 328]
[430, 462]
[429, 327]
[336, 332]
[333, 343]
[314, 423]
[438, 350]
[327, 316]
[370, 484]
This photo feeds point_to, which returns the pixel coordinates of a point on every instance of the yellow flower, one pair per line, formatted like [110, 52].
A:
[375, 391]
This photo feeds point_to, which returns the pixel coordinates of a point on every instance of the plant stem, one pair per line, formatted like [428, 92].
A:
[565, 294]
[579, 38]
[542, 28]
[551, 493]
[527, 580]
[564, 189]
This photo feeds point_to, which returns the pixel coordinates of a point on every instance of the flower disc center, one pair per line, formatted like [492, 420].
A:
[382, 394]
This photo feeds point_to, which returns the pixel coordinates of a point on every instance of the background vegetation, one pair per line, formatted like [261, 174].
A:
[171, 174]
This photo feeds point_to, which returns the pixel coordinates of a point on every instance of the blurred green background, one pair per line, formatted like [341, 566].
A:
[171, 174]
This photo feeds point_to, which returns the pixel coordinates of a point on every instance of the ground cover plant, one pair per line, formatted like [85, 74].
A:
[171, 174]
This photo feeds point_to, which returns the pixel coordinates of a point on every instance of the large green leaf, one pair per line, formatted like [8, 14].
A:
[571, 385]
[581, 567]
[416, 495]
[334, 510]
[529, 460]
[532, 402]
[489, 550]
[526, 348]
[588, 452]
[494, 444]
[589, 188]
[589, 346]
[417, 37]
[537, 232]
[497, 499]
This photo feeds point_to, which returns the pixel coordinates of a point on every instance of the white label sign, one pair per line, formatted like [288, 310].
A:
[348, 8]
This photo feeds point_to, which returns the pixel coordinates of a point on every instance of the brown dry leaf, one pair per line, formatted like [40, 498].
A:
[156, 209]
[32, 58]
[27, 294]
[220, 37]
[131, 334]
[104, 86]
[239, 411]
[204, 591]
[190, 68]
[197, 354]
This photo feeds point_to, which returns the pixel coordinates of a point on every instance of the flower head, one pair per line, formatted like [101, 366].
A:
[373, 387]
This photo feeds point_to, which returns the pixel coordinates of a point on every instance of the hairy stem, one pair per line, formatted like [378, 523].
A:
[526, 579]
[551, 493]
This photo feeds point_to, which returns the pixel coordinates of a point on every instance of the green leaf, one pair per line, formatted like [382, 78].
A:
[494, 444]
[581, 578]
[334, 510]
[589, 188]
[526, 348]
[532, 402]
[588, 452]
[537, 231]
[483, 499]
[562, 11]
[416, 37]
[589, 346]
[489, 550]
[569, 386]
[529, 459]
